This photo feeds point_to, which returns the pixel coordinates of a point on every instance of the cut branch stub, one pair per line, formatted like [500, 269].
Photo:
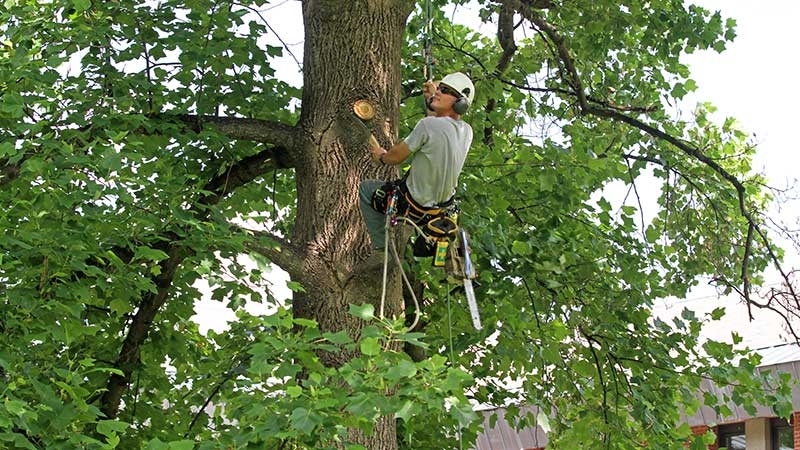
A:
[364, 110]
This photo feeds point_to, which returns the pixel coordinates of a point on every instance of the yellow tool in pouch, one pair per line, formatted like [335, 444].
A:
[441, 253]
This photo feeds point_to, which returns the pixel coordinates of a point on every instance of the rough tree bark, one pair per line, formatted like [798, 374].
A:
[352, 51]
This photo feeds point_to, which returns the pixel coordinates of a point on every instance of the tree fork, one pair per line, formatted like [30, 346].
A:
[238, 175]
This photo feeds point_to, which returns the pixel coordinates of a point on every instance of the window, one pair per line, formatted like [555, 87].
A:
[782, 435]
[732, 436]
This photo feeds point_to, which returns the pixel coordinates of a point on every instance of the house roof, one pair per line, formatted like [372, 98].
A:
[785, 358]
[779, 354]
[503, 436]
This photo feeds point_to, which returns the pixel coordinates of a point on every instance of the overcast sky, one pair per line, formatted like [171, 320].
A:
[754, 80]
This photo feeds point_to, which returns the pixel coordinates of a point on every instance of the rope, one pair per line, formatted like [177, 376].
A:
[408, 285]
[416, 227]
[428, 53]
[450, 328]
[385, 262]
[452, 355]
[396, 257]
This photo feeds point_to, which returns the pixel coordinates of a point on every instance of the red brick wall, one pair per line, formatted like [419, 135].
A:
[701, 429]
[796, 428]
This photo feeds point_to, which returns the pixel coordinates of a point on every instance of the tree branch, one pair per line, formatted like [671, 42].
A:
[8, 172]
[490, 74]
[243, 172]
[539, 4]
[562, 50]
[636, 193]
[129, 355]
[719, 217]
[572, 78]
[505, 35]
[282, 138]
[282, 253]
[274, 134]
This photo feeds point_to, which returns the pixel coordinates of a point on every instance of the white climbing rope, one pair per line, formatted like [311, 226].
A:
[396, 256]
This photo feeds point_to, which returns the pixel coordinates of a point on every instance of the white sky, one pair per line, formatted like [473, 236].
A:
[753, 80]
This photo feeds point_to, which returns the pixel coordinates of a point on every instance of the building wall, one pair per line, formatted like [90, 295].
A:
[697, 430]
[758, 434]
[796, 427]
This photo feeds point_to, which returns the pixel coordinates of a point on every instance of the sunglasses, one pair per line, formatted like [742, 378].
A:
[448, 90]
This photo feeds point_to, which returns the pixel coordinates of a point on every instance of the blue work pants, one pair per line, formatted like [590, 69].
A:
[374, 220]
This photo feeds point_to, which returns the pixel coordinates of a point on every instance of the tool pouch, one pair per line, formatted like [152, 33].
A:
[424, 248]
[440, 228]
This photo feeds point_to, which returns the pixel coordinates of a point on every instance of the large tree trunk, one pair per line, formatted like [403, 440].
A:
[345, 60]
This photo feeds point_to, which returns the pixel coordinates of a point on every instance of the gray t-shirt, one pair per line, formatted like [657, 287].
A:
[439, 147]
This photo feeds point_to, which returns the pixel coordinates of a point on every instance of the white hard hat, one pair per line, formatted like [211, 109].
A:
[461, 83]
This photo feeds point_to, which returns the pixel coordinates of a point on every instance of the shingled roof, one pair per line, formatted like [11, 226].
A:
[783, 358]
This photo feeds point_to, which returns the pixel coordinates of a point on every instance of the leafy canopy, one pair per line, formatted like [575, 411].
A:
[117, 200]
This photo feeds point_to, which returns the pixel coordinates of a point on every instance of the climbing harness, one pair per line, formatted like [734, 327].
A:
[438, 236]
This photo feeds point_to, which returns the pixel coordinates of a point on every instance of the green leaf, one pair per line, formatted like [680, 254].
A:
[6, 149]
[149, 254]
[294, 391]
[295, 286]
[406, 411]
[182, 445]
[304, 420]
[543, 421]
[338, 338]
[110, 427]
[364, 312]
[521, 248]
[81, 5]
[403, 369]
[15, 407]
[305, 323]
[18, 439]
[157, 444]
[120, 306]
[652, 235]
[462, 411]
[560, 331]
[12, 105]
[371, 346]
[364, 406]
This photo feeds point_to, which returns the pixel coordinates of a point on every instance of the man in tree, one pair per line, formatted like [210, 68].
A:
[439, 144]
